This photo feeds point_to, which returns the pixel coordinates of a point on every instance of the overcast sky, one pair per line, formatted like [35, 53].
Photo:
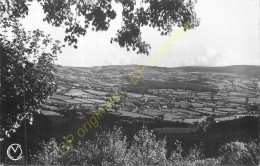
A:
[228, 35]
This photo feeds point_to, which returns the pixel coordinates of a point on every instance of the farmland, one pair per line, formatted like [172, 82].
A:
[189, 96]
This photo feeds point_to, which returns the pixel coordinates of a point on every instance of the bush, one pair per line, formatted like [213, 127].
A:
[239, 153]
[145, 150]
[193, 158]
[111, 148]
[48, 155]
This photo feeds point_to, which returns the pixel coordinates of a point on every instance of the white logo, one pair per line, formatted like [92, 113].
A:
[16, 151]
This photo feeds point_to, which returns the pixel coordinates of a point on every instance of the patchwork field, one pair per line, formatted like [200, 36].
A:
[186, 98]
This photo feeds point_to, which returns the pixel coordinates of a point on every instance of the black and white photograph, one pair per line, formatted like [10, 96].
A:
[130, 82]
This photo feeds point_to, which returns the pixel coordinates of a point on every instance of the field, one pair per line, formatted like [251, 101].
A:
[189, 112]
[133, 114]
[98, 93]
[75, 92]
[185, 97]
[150, 113]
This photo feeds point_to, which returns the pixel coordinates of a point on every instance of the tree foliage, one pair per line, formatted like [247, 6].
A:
[239, 153]
[111, 148]
[27, 72]
[146, 150]
[77, 16]
[49, 154]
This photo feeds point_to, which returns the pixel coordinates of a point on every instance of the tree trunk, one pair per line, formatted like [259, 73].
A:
[1, 53]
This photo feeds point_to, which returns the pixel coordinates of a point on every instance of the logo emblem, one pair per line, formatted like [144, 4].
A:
[14, 152]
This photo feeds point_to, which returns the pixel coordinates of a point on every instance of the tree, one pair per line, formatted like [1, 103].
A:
[247, 100]
[49, 153]
[146, 150]
[232, 83]
[111, 148]
[239, 153]
[27, 72]
[246, 103]
[77, 16]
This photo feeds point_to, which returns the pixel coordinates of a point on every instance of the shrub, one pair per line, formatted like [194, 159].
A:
[48, 155]
[110, 148]
[194, 157]
[239, 153]
[146, 150]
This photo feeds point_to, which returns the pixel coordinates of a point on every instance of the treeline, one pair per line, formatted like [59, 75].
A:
[112, 148]
[210, 141]
[143, 86]
[218, 134]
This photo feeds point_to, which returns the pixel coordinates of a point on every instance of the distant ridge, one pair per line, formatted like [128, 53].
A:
[243, 69]
[224, 69]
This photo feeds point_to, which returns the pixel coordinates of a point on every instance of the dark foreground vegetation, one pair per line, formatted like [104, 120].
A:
[226, 143]
[111, 148]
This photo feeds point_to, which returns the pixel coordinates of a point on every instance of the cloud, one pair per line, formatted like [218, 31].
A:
[224, 57]
[117, 59]
[210, 57]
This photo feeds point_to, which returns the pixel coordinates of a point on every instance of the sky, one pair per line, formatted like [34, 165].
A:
[229, 34]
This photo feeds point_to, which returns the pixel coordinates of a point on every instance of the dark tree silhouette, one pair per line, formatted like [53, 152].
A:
[77, 16]
[27, 73]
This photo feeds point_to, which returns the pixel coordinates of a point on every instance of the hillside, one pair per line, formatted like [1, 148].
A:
[245, 69]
